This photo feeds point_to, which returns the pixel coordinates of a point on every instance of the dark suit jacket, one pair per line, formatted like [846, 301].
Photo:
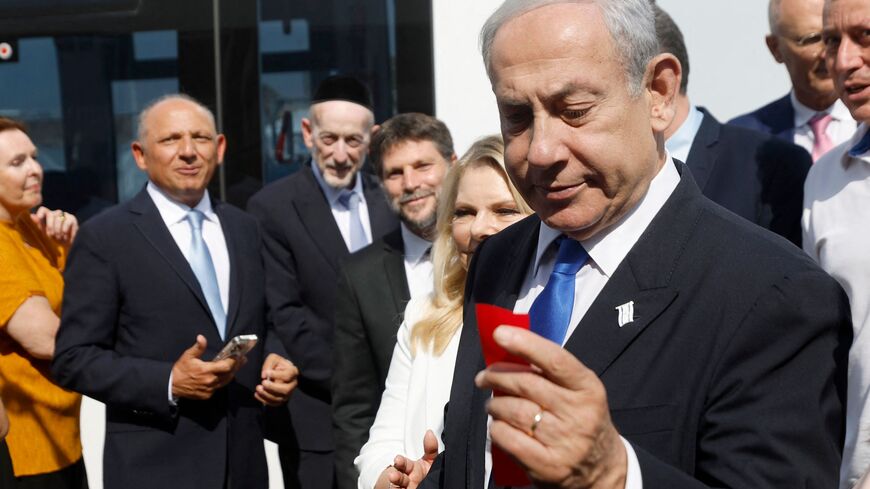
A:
[303, 253]
[372, 293]
[754, 175]
[732, 374]
[775, 118]
[131, 306]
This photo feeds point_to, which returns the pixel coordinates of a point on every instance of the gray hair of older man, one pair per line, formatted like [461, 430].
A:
[630, 23]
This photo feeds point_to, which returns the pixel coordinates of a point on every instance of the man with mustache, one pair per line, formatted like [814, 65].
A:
[411, 154]
[312, 220]
[837, 213]
[810, 115]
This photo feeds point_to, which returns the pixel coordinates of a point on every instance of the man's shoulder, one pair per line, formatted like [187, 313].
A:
[764, 117]
[762, 144]
[285, 189]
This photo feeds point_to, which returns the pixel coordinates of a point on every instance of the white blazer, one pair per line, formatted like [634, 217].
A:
[417, 388]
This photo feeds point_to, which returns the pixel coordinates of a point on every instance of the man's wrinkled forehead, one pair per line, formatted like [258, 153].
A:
[342, 116]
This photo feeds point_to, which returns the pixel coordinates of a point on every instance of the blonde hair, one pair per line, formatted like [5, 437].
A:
[442, 316]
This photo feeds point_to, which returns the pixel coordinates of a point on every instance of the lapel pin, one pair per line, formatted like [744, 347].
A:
[626, 313]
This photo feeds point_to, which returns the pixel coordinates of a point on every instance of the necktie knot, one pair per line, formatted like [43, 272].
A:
[820, 122]
[349, 199]
[195, 218]
[571, 257]
[822, 143]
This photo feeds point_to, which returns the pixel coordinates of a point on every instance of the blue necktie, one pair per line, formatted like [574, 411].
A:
[203, 268]
[551, 311]
[861, 147]
[350, 200]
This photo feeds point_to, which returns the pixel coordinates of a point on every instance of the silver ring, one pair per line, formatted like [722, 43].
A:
[536, 421]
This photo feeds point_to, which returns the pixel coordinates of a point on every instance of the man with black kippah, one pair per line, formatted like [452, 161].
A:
[311, 221]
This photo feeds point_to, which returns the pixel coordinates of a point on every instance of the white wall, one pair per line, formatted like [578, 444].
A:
[731, 69]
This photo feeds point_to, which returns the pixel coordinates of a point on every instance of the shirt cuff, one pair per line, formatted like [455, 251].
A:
[633, 477]
[173, 401]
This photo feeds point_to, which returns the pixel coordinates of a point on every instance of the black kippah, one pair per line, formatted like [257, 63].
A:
[343, 87]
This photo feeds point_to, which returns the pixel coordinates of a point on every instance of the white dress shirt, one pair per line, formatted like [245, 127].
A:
[840, 129]
[416, 390]
[174, 215]
[680, 142]
[418, 263]
[339, 212]
[606, 251]
[836, 233]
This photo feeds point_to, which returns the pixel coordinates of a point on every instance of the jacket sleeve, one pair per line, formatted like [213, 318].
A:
[355, 385]
[288, 313]
[85, 360]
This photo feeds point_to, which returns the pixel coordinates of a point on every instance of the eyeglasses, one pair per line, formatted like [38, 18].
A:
[808, 39]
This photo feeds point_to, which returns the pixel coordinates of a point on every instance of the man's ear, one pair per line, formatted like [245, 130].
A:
[138, 155]
[773, 45]
[307, 133]
[663, 84]
[221, 148]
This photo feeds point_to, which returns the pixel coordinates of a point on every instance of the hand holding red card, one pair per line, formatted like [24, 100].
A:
[504, 470]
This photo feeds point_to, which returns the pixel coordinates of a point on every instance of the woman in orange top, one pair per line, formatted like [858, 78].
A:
[42, 448]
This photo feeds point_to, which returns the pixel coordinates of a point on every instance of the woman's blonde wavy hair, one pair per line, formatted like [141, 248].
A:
[443, 314]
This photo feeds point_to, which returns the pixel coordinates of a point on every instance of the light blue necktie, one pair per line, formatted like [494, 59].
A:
[350, 200]
[551, 311]
[203, 268]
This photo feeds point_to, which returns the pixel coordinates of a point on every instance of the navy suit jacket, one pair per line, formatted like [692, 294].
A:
[731, 375]
[754, 175]
[775, 118]
[131, 306]
[303, 253]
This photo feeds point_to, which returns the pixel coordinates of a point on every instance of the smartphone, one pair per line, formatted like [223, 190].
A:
[237, 347]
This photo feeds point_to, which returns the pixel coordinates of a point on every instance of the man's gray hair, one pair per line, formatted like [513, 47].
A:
[630, 23]
[773, 15]
[140, 134]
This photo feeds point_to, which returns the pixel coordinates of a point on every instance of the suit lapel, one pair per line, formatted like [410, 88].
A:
[394, 268]
[704, 152]
[149, 222]
[643, 277]
[231, 236]
[316, 216]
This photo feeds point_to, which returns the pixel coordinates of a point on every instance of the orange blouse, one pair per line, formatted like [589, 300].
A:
[43, 418]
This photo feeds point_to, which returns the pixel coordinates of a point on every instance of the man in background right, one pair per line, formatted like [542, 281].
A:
[837, 214]
[810, 114]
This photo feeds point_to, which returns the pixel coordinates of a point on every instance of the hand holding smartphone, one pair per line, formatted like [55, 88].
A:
[237, 347]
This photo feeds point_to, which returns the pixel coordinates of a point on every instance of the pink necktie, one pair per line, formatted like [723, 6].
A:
[821, 142]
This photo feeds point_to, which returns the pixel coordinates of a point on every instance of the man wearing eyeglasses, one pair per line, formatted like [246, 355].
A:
[810, 116]
[312, 220]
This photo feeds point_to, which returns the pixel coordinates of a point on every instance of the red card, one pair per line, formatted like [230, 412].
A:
[505, 471]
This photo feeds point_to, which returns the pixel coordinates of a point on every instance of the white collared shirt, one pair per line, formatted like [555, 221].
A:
[606, 251]
[836, 234]
[339, 212]
[680, 142]
[418, 263]
[174, 215]
[840, 129]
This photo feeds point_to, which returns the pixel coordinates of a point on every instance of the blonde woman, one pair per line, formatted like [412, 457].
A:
[477, 200]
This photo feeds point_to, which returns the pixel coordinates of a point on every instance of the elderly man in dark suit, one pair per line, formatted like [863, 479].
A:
[146, 280]
[810, 115]
[411, 154]
[312, 221]
[752, 174]
[672, 344]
